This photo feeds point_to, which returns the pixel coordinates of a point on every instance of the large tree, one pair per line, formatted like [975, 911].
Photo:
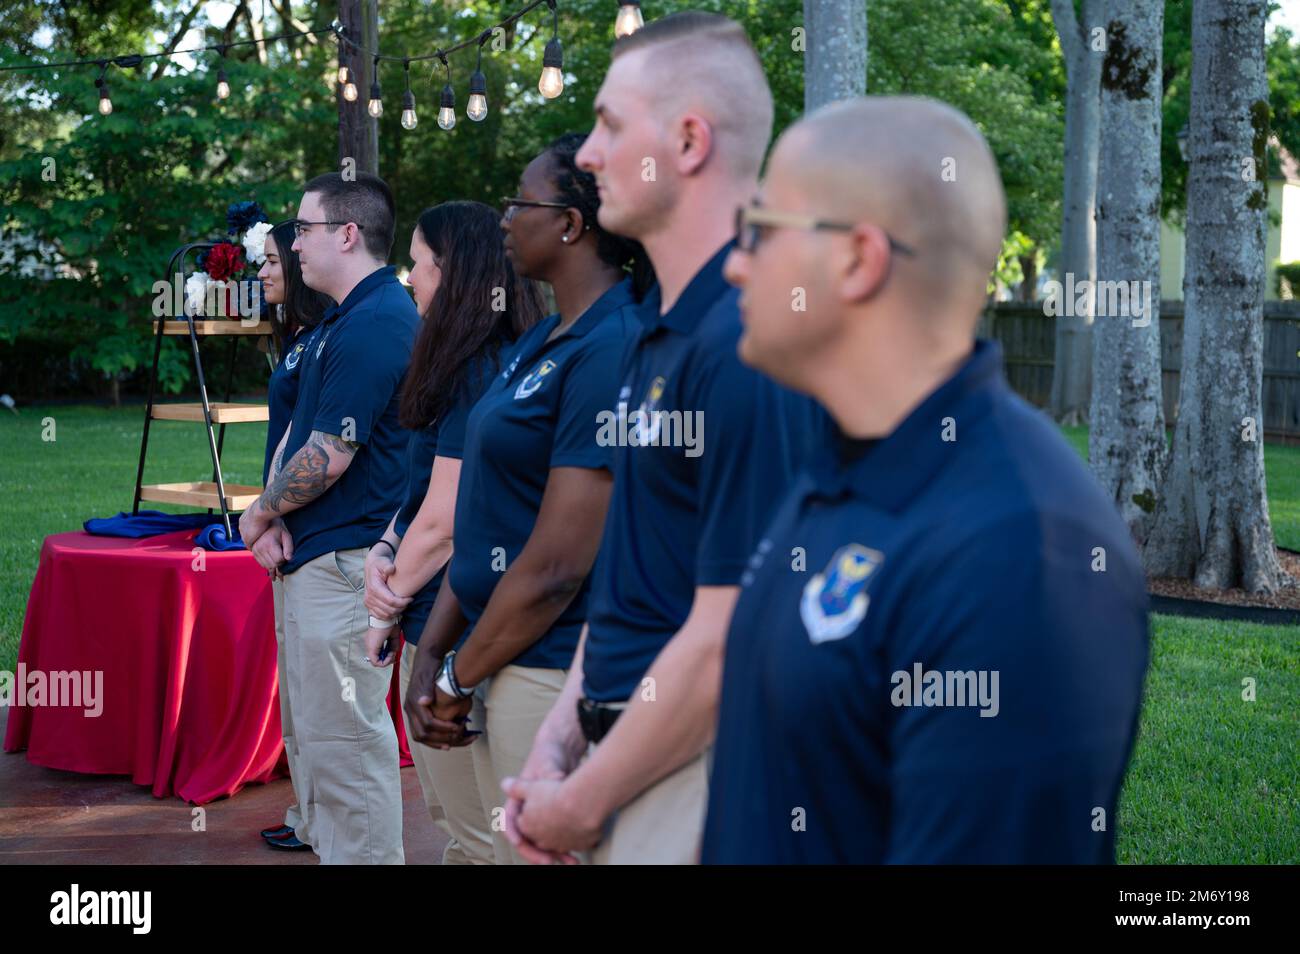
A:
[835, 64]
[358, 130]
[1212, 523]
[1079, 35]
[1127, 437]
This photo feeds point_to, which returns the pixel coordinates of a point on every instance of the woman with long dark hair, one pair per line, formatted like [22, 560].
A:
[295, 312]
[473, 306]
[534, 487]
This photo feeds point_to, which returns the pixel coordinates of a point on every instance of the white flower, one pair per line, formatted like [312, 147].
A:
[255, 242]
[196, 287]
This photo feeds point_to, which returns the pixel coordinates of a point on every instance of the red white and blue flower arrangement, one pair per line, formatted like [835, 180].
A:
[222, 267]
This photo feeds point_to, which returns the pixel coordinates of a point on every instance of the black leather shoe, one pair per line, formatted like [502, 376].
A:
[283, 831]
[287, 844]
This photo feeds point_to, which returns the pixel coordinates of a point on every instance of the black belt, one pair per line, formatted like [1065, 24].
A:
[596, 719]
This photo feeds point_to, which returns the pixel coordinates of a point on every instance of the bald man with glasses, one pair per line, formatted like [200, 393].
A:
[938, 650]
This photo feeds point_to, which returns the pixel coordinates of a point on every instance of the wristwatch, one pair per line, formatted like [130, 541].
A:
[377, 623]
[447, 679]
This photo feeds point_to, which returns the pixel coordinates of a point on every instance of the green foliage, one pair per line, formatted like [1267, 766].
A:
[111, 197]
[133, 186]
[1290, 273]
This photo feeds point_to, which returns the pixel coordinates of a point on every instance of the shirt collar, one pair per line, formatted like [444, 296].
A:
[702, 291]
[900, 465]
[613, 298]
[537, 339]
[363, 288]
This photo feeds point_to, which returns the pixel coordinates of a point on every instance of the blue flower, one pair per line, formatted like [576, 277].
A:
[243, 215]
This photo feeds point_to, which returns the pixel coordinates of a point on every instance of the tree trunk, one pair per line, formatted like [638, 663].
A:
[1072, 367]
[835, 62]
[1212, 523]
[1028, 290]
[358, 130]
[1127, 436]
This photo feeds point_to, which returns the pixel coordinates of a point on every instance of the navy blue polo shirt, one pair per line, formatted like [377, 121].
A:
[445, 437]
[927, 663]
[542, 411]
[282, 392]
[694, 486]
[348, 385]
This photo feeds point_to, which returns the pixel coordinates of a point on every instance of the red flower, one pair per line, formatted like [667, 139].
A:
[225, 260]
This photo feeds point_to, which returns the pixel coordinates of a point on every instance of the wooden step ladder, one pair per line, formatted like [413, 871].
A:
[215, 493]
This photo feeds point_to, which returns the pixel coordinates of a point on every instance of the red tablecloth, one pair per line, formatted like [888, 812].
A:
[190, 702]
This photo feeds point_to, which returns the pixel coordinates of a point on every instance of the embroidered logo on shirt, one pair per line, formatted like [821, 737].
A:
[294, 356]
[834, 601]
[533, 381]
[649, 420]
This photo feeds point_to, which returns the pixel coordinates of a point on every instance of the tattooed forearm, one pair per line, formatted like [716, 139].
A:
[306, 475]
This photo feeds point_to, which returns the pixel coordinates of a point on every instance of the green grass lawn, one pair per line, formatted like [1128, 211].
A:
[1281, 475]
[1213, 780]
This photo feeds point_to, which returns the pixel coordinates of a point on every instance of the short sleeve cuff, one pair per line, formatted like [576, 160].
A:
[719, 572]
[332, 425]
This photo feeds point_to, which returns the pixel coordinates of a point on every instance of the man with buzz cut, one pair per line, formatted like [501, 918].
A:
[339, 476]
[620, 766]
[950, 670]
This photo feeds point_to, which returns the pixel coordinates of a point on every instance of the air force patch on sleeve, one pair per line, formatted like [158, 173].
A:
[835, 600]
[534, 379]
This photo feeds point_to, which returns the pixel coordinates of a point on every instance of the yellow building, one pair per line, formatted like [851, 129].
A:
[1282, 243]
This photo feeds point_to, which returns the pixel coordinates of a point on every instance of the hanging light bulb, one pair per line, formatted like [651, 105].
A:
[447, 102]
[551, 84]
[349, 87]
[376, 105]
[447, 108]
[408, 99]
[223, 88]
[343, 71]
[477, 108]
[629, 18]
[105, 104]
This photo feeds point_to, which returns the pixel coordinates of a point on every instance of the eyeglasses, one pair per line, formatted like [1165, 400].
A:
[510, 204]
[751, 220]
[300, 225]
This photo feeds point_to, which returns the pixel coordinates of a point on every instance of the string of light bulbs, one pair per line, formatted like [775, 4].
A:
[550, 85]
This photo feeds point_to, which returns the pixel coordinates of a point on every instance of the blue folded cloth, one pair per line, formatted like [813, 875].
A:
[213, 537]
[151, 523]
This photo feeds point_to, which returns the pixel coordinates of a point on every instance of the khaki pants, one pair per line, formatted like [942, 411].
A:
[664, 824]
[346, 740]
[298, 815]
[451, 788]
[516, 699]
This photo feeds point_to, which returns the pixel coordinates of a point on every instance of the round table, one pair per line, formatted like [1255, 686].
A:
[180, 642]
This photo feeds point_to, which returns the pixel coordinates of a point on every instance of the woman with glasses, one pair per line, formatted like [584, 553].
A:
[295, 311]
[473, 304]
[534, 486]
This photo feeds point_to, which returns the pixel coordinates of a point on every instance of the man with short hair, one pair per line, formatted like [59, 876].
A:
[682, 121]
[339, 476]
[938, 653]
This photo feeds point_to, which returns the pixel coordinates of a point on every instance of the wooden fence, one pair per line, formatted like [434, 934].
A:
[1028, 339]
